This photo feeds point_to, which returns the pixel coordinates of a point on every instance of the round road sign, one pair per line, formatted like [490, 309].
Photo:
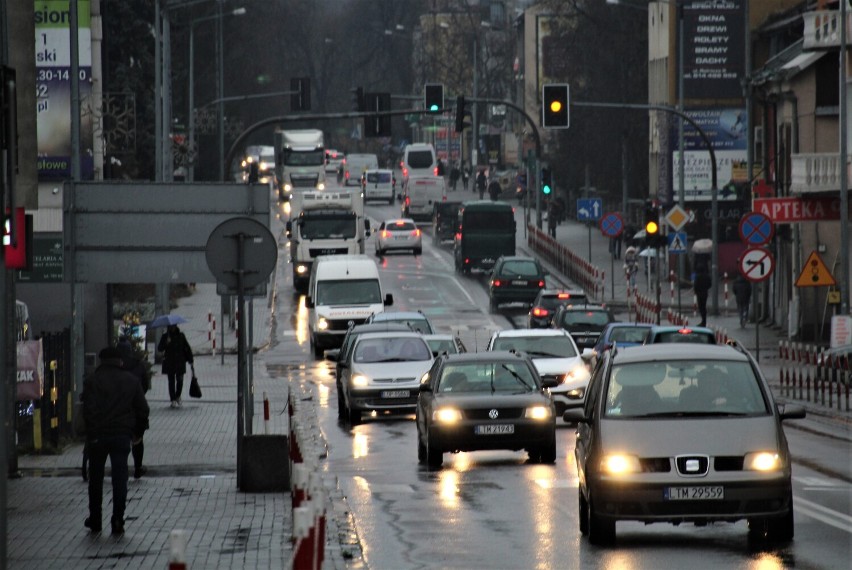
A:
[241, 242]
[612, 224]
[756, 229]
[757, 264]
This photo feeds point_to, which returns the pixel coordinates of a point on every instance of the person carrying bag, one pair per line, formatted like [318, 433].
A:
[194, 387]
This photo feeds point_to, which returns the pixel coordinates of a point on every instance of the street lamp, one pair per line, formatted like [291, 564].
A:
[191, 118]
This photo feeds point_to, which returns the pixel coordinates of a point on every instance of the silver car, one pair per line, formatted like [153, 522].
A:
[382, 374]
[399, 234]
[682, 436]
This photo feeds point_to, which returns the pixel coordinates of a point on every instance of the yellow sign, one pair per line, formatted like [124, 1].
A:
[815, 273]
[833, 297]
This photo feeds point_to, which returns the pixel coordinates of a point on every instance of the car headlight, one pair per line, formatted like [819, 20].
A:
[576, 393]
[620, 464]
[321, 186]
[360, 381]
[579, 372]
[288, 188]
[446, 415]
[322, 324]
[301, 269]
[762, 461]
[537, 413]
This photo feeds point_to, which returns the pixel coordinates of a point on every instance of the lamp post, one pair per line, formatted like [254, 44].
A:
[191, 117]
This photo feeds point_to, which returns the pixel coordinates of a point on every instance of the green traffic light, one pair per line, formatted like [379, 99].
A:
[433, 108]
[546, 189]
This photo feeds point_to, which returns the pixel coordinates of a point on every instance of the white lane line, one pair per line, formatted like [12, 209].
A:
[823, 514]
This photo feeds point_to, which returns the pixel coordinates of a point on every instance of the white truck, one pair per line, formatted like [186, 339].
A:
[324, 223]
[300, 161]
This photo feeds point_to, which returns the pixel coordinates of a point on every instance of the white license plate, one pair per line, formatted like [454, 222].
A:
[494, 429]
[516, 282]
[400, 237]
[395, 394]
[702, 493]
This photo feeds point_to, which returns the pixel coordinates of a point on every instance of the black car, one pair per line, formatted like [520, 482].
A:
[584, 322]
[546, 303]
[484, 400]
[515, 279]
[445, 220]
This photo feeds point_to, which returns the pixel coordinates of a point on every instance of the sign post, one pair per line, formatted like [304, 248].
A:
[612, 226]
[589, 210]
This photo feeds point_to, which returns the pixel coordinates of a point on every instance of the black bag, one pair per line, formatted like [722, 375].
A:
[194, 388]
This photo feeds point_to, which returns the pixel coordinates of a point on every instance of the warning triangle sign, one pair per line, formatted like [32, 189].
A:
[815, 273]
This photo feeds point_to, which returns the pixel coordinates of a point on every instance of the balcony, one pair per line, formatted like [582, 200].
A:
[814, 173]
[822, 29]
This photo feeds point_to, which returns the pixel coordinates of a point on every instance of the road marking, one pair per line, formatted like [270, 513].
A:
[823, 514]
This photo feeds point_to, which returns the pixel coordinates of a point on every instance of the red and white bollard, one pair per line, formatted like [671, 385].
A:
[177, 550]
[303, 537]
[725, 278]
[211, 331]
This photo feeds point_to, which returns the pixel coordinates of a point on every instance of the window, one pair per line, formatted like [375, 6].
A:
[349, 292]
[491, 377]
[327, 228]
[302, 158]
[585, 318]
[378, 177]
[629, 334]
[420, 159]
[538, 346]
[522, 268]
[397, 349]
[488, 221]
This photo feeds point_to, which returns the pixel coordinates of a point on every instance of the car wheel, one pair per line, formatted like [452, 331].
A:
[434, 456]
[774, 529]
[583, 513]
[418, 250]
[341, 405]
[601, 530]
[353, 415]
[318, 351]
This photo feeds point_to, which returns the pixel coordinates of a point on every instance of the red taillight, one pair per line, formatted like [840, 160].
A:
[496, 283]
[346, 174]
[400, 223]
[436, 171]
[563, 296]
[458, 236]
[541, 284]
[416, 233]
[467, 261]
[685, 331]
[407, 201]
[385, 234]
[540, 312]
[404, 171]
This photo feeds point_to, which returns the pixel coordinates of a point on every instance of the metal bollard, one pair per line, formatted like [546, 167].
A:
[177, 550]
[303, 521]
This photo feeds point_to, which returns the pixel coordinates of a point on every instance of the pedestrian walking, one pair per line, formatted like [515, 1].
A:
[454, 177]
[465, 174]
[701, 286]
[133, 364]
[742, 294]
[481, 183]
[494, 189]
[176, 354]
[551, 218]
[116, 413]
[631, 266]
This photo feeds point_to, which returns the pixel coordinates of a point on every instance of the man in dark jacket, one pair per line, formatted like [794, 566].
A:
[742, 293]
[135, 366]
[701, 285]
[116, 412]
[176, 354]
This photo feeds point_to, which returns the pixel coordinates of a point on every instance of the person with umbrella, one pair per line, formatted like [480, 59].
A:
[176, 354]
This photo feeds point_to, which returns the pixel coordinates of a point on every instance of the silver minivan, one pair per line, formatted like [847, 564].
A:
[420, 194]
[354, 165]
[419, 159]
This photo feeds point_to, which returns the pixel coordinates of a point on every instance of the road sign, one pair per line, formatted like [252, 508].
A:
[612, 224]
[677, 242]
[815, 273]
[756, 264]
[677, 217]
[756, 229]
[589, 209]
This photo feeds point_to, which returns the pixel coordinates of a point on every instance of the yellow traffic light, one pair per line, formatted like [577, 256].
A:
[555, 106]
[652, 228]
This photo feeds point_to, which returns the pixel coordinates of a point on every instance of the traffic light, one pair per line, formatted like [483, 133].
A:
[300, 94]
[652, 226]
[460, 112]
[358, 99]
[433, 96]
[546, 181]
[377, 125]
[554, 106]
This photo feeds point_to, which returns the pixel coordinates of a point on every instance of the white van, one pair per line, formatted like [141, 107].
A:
[343, 290]
[379, 184]
[420, 194]
[354, 165]
[419, 159]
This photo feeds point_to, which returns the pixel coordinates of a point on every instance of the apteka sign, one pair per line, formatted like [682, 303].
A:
[793, 209]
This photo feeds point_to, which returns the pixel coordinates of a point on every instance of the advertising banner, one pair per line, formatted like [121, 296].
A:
[30, 370]
[714, 48]
[727, 131]
[53, 88]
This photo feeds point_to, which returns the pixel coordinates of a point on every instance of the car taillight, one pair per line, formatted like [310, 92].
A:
[404, 172]
[540, 312]
[685, 331]
[458, 235]
[496, 283]
[563, 296]
[346, 174]
[416, 233]
[385, 234]
[436, 171]
[541, 284]
[407, 201]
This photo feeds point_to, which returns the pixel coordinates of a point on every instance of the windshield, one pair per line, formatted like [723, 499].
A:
[392, 349]
[349, 292]
[326, 228]
[491, 377]
[537, 346]
[303, 158]
[628, 334]
[684, 388]
[437, 346]
[585, 318]
[420, 159]
[488, 221]
[378, 178]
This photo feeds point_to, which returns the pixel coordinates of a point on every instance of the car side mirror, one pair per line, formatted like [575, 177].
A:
[309, 302]
[791, 412]
[549, 382]
[587, 354]
[333, 354]
[388, 300]
[426, 387]
[575, 415]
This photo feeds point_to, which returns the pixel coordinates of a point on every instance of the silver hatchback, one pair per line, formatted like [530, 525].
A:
[682, 436]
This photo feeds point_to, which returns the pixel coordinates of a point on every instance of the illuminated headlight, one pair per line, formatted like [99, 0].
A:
[576, 393]
[620, 464]
[301, 269]
[762, 461]
[264, 165]
[537, 413]
[322, 324]
[321, 186]
[360, 381]
[288, 187]
[446, 415]
[577, 373]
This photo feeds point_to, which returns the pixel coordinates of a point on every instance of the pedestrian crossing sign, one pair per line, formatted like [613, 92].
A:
[677, 242]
